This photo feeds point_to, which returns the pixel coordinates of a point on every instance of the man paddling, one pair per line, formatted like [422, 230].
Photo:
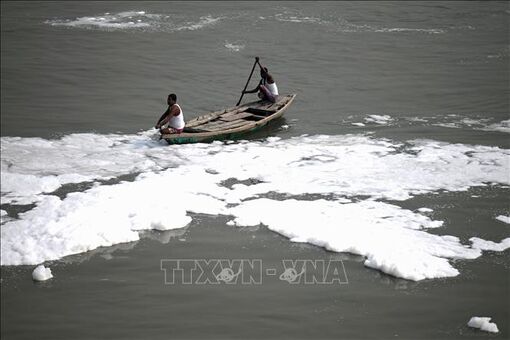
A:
[173, 116]
[267, 86]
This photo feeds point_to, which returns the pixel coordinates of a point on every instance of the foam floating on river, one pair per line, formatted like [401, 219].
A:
[504, 219]
[481, 244]
[483, 323]
[41, 273]
[393, 240]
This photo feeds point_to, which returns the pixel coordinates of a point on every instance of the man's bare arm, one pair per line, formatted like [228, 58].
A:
[255, 89]
[270, 79]
[158, 124]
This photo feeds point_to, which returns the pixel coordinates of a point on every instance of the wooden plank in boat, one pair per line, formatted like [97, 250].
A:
[213, 115]
[232, 125]
[222, 125]
[225, 126]
[202, 119]
[269, 106]
[233, 112]
[231, 118]
[210, 125]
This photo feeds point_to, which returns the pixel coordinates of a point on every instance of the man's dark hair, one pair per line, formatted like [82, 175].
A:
[172, 96]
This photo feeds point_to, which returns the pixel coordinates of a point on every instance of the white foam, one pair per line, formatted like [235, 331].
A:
[503, 126]
[358, 124]
[343, 25]
[297, 18]
[471, 121]
[481, 244]
[235, 47]
[502, 218]
[379, 119]
[136, 20]
[31, 166]
[368, 166]
[483, 323]
[390, 237]
[106, 215]
[417, 119]
[203, 22]
[425, 210]
[453, 121]
[4, 217]
[175, 180]
[404, 29]
[41, 273]
[119, 20]
[348, 27]
[448, 125]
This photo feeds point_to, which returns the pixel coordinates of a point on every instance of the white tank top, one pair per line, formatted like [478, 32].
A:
[272, 88]
[177, 122]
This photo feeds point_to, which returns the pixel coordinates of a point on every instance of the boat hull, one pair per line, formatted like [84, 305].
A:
[224, 125]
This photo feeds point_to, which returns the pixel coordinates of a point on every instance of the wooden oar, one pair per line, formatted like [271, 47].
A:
[245, 86]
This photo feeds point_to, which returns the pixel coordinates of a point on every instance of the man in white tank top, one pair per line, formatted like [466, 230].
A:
[267, 86]
[173, 116]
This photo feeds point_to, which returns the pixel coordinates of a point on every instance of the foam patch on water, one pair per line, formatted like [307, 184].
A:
[176, 180]
[504, 219]
[483, 323]
[373, 167]
[338, 23]
[141, 20]
[106, 215]
[453, 121]
[379, 119]
[478, 243]
[41, 273]
[390, 237]
[475, 124]
[234, 47]
[503, 126]
[204, 21]
[31, 166]
[4, 217]
[121, 20]
[129, 20]
[346, 26]
[295, 18]
[404, 29]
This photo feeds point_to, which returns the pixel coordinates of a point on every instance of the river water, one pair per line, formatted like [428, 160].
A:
[400, 106]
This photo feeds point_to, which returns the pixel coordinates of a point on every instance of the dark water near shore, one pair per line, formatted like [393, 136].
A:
[440, 70]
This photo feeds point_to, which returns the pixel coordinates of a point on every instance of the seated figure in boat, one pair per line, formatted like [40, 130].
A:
[172, 120]
[267, 86]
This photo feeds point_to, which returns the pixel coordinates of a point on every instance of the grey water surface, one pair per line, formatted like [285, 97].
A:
[440, 70]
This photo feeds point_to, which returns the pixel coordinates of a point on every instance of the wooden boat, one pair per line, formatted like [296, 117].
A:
[230, 123]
